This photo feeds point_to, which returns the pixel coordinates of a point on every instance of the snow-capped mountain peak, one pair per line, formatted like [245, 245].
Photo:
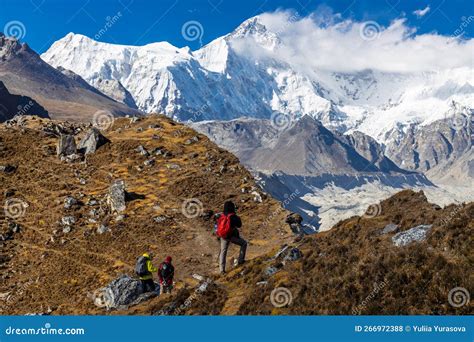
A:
[244, 74]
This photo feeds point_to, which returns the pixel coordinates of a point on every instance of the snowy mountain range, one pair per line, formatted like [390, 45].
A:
[222, 81]
[378, 124]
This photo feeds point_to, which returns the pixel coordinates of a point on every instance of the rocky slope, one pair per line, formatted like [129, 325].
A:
[63, 235]
[64, 96]
[412, 257]
[11, 105]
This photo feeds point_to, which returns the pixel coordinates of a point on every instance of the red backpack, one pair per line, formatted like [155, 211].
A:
[224, 228]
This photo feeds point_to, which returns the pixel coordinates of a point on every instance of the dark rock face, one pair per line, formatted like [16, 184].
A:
[66, 145]
[438, 149]
[12, 105]
[92, 141]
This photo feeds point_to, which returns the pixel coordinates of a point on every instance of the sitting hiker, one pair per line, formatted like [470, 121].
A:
[144, 269]
[166, 274]
[228, 225]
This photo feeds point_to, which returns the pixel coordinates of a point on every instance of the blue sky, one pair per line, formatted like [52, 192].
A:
[138, 22]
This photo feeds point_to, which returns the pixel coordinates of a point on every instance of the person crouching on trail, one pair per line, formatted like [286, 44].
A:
[228, 225]
[144, 269]
[166, 274]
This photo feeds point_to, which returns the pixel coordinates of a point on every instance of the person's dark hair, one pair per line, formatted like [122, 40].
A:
[229, 207]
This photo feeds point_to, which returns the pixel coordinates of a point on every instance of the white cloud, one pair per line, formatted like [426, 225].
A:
[334, 44]
[422, 12]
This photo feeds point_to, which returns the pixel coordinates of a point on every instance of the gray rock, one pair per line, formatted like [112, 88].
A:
[142, 150]
[71, 158]
[271, 271]
[7, 168]
[69, 202]
[92, 141]
[389, 228]
[173, 166]
[415, 234]
[67, 229]
[116, 197]
[92, 202]
[149, 162]
[123, 291]
[66, 145]
[293, 255]
[103, 229]
[159, 219]
[68, 220]
[14, 227]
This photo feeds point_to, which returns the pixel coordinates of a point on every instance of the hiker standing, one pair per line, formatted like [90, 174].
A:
[144, 269]
[166, 274]
[228, 224]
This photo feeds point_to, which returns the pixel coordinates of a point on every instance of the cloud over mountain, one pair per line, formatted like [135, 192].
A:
[328, 42]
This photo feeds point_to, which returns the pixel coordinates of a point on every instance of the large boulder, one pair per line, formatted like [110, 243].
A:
[415, 234]
[92, 141]
[66, 145]
[121, 292]
[116, 197]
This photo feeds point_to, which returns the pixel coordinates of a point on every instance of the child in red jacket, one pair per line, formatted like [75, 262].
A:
[166, 274]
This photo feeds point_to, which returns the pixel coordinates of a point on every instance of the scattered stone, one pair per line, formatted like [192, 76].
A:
[103, 229]
[66, 145]
[82, 181]
[71, 158]
[257, 197]
[67, 229]
[415, 234]
[271, 271]
[156, 137]
[92, 141]
[139, 129]
[173, 166]
[119, 218]
[7, 168]
[69, 202]
[134, 119]
[159, 219]
[293, 255]
[14, 227]
[9, 193]
[149, 162]
[116, 197]
[142, 150]
[389, 228]
[68, 220]
[92, 202]
[262, 283]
